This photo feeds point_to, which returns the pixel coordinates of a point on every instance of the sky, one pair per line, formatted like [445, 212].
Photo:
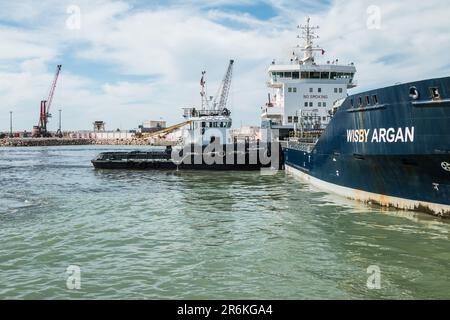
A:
[125, 62]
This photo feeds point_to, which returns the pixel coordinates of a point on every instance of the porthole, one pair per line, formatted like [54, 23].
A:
[413, 93]
[435, 95]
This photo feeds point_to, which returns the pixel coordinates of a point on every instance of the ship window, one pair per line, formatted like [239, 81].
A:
[290, 119]
[289, 89]
[315, 75]
[414, 93]
[333, 75]
[324, 104]
[203, 124]
[288, 74]
[367, 101]
[324, 75]
[375, 99]
[340, 90]
[335, 90]
[319, 89]
[310, 89]
[310, 104]
[295, 75]
[359, 101]
[435, 93]
[294, 89]
[306, 104]
[296, 119]
[324, 118]
[319, 104]
[304, 75]
[351, 103]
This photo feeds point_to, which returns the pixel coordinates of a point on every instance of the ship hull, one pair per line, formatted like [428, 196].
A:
[243, 157]
[408, 167]
[142, 165]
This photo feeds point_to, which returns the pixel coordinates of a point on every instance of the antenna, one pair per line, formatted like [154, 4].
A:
[203, 93]
[308, 34]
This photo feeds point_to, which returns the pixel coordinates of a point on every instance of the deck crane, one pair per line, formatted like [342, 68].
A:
[224, 90]
[41, 129]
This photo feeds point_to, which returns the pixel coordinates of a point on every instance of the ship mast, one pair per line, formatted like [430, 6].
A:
[308, 34]
[205, 104]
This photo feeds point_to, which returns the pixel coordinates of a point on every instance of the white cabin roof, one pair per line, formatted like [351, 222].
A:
[312, 67]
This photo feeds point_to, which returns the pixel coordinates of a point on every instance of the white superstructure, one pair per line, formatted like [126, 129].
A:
[207, 126]
[211, 122]
[304, 92]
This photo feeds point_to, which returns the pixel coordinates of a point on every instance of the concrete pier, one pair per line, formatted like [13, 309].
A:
[40, 142]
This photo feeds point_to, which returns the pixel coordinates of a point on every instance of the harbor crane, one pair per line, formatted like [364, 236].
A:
[224, 89]
[41, 129]
[218, 107]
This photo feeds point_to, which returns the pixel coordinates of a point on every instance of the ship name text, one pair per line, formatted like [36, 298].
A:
[379, 135]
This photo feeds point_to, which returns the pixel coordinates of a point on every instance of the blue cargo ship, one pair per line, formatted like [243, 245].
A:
[388, 146]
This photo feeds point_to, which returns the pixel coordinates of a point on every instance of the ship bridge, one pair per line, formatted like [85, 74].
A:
[303, 91]
[280, 74]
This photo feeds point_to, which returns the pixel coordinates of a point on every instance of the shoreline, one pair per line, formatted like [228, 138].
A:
[50, 142]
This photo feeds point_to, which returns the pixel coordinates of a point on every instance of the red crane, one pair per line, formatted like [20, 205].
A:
[41, 128]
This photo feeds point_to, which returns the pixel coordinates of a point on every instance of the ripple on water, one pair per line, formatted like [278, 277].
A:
[223, 235]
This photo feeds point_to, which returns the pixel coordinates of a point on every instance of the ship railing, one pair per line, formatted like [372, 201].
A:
[283, 144]
[134, 155]
[193, 112]
[301, 145]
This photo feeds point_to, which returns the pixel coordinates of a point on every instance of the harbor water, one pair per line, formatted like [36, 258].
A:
[202, 235]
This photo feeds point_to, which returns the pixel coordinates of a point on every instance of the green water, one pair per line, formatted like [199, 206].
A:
[200, 235]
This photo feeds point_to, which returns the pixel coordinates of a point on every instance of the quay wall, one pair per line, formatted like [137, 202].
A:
[41, 142]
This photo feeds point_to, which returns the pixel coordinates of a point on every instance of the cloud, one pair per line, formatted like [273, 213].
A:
[408, 46]
[132, 62]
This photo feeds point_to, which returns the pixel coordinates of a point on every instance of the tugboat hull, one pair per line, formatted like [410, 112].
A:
[225, 157]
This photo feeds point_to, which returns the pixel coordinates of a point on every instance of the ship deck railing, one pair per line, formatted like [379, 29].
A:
[193, 112]
[136, 156]
[306, 145]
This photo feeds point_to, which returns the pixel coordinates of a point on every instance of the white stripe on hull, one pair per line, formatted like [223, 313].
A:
[369, 197]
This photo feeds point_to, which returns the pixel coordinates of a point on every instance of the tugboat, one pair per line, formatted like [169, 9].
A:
[205, 142]
[388, 146]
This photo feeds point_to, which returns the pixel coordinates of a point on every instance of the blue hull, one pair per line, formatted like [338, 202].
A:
[393, 150]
